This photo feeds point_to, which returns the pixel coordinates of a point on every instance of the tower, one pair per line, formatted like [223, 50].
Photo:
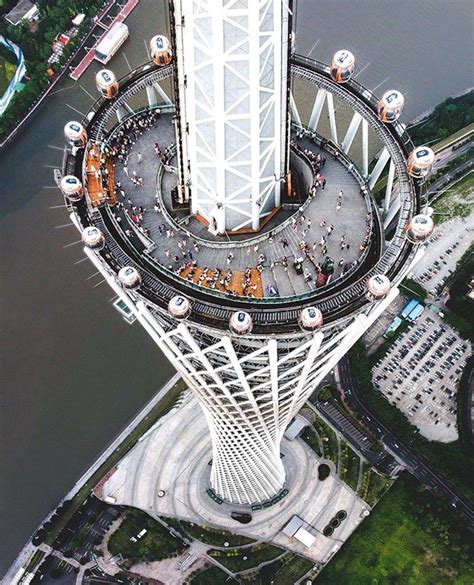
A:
[253, 322]
[232, 62]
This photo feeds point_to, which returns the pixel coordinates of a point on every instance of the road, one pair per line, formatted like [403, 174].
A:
[414, 463]
[437, 188]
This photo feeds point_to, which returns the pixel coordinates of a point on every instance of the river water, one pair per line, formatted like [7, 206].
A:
[72, 371]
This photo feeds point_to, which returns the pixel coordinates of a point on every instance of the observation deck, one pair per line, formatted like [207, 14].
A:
[272, 274]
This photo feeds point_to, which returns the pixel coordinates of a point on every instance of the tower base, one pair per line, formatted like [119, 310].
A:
[173, 457]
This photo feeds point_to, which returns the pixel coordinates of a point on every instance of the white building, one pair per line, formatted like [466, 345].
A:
[24, 10]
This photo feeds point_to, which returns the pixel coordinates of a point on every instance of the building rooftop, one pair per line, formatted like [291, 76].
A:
[22, 9]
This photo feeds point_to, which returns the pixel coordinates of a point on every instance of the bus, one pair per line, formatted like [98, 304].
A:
[111, 42]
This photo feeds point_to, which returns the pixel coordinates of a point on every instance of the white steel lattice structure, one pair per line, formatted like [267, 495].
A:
[250, 380]
[249, 388]
[233, 91]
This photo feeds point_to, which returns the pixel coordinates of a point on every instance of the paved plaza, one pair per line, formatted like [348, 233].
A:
[420, 375]
[275, 252]
[174, 456]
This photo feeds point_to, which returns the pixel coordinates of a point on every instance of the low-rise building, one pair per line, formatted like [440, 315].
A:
[23, 10]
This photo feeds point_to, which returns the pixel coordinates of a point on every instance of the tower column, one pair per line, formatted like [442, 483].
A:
[233, 82]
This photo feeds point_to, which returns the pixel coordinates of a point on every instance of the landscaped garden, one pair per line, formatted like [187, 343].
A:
[209, 535]
[139, 537]
[7, 68]
[211, 576]
[349, 466]
[238, 559]
[373, 485]
[285, 571]
[326, 435]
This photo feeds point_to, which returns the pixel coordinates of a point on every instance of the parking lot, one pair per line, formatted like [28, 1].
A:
[445, 248]
[420, 375]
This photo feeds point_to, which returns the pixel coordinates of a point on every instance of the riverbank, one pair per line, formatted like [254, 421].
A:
[38, 87]
[159, 405]
[422, 117]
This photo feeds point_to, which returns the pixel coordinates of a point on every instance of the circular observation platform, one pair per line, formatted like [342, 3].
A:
[320, 248]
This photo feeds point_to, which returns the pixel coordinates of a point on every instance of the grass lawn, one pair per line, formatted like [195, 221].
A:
[7, 71]
[457, 202]
[211, 536]
[407, 540]
[285, 571]
[234, 559]
[211, 576]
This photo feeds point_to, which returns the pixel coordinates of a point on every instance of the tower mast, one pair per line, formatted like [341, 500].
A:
[232, 62]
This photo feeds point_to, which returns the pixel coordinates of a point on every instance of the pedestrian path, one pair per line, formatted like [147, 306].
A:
[333, 225]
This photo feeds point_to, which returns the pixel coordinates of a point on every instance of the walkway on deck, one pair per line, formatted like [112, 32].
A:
[277, 279]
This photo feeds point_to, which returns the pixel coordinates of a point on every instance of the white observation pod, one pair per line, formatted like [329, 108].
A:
[179, 307]
[420, 228]
[93, 238]
[75, 134]
[129, 277]
[241, 323]
[342, 66]
[390, 106]
[310, 318]
[160, 50]
[107, 83]
[71, 187]
[378, 287]
[420, 162]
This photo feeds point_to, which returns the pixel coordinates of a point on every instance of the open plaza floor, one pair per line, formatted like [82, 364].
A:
[334, 224]
[168, 472]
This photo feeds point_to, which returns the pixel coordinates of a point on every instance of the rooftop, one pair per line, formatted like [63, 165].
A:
[22, 9]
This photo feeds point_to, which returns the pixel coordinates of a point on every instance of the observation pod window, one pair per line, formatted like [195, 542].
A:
[310, 319]
[241, 323]
[420, 162]
[129, 277]
[93, 238]
[390, 106]
[75, 134]
[342, 66]
[71, 187]
[107, 83]
[378, 287]
[160, 49]
[179, 307]
[420, 229]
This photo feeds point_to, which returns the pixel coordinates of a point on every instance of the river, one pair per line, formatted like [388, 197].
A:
[73, 372]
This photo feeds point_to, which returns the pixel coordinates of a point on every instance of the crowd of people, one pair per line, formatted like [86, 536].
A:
[309, 255]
